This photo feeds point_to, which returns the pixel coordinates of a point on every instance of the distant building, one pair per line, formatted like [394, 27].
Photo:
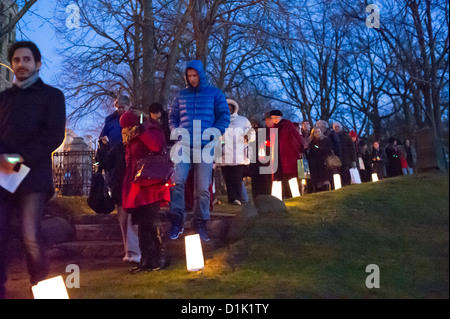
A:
[8, 9]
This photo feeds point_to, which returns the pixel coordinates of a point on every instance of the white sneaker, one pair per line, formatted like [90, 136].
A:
[133, 259]
[237, 202]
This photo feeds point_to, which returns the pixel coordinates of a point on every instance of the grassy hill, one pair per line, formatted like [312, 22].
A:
[318, 249]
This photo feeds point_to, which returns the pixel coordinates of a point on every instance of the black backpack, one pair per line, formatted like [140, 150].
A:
[99, 199]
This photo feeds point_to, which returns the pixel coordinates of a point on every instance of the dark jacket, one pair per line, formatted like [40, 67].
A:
[410, 155]
[164, 124]
[347, 149]
[317, 154]
[393, 163]
[335, 142]
[111, 156]
[112, 129]
[367, 171]
[32, 124]
[378, 159]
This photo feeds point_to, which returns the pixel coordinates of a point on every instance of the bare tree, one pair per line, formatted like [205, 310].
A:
[417, 33]
[171, 38]
[205, 14]
[304, 46]
[7, 28]
[118, 50]
[363, 83]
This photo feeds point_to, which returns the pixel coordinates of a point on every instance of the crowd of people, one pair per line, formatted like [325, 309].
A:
[270, 152]
[191, 186]
[192, 182]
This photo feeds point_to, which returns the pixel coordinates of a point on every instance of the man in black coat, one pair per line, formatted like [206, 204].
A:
[393, 163]
[347, 153]
[32, 126]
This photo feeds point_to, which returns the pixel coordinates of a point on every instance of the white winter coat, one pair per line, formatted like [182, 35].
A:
[234, 150]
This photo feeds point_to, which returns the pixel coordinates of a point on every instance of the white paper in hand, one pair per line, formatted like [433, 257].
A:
[10, 182]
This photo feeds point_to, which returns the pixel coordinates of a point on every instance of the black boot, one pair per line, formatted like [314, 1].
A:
[145, 245]
[161, 258]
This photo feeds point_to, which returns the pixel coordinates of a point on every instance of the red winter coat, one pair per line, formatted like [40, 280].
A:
[290, 146]
[134, 196]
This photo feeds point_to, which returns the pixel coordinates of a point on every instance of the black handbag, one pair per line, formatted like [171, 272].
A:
[153, 170]
[99, 200]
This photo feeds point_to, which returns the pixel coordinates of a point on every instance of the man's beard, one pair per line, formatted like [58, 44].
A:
[23, 78]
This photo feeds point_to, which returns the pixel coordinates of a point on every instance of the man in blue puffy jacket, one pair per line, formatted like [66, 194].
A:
[198, 101]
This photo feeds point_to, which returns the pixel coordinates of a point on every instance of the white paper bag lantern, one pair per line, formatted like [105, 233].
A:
[337, 181]
[293, 184]
[194, 253]
[53, 288]
[354, 176]
[276, 190]
[374, 177]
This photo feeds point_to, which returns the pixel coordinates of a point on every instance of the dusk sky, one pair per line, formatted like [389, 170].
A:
[37, 26]
[34, 27]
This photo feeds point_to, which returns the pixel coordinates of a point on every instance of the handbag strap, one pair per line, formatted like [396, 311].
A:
[156, 153]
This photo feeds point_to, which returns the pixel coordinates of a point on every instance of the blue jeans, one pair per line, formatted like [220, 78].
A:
[407, 171]
[202, 181]
[29, 208]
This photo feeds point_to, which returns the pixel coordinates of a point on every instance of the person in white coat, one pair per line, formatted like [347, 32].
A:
[235, 153]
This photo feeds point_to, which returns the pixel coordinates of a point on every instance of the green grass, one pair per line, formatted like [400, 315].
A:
[319, 249]
[399, 224]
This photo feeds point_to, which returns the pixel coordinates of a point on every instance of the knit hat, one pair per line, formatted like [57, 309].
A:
[276, 113]
[337, 124]
[129, 119]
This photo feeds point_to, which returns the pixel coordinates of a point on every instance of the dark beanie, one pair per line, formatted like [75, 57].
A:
[276, 113]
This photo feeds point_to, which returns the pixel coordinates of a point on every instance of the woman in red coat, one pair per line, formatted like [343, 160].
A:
[143, 202]
[290, 147]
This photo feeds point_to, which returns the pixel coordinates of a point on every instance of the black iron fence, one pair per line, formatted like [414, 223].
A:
[72, 172]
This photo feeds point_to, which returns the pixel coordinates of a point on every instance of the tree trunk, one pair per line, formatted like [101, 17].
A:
[136, 98]
[148, 61]
[203, 23]
[172, 60]
[172, 57]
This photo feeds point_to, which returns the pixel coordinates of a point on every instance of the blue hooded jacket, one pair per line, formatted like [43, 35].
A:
[204, 102]
[112, 129]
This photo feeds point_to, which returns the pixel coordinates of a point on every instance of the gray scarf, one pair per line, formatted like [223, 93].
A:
[27, 82]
